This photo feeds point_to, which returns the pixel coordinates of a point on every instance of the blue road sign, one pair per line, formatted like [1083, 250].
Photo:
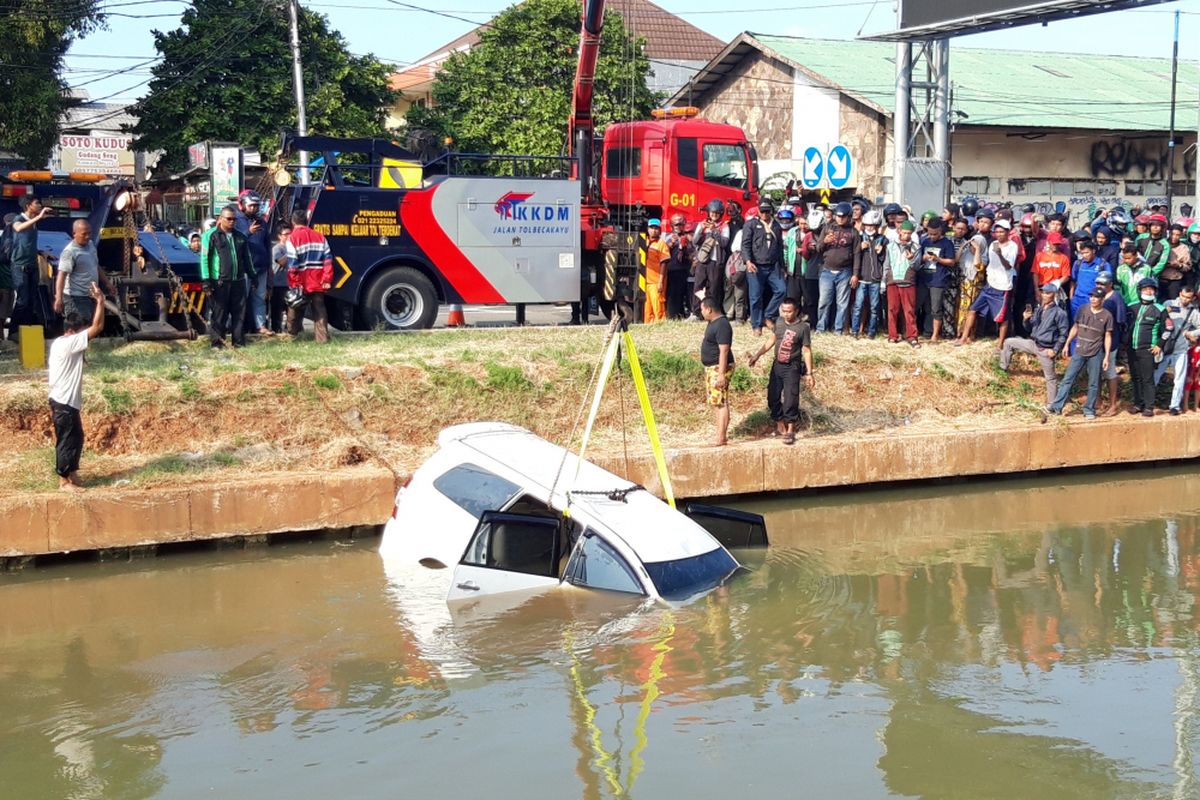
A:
[813, 169]
[840, 166]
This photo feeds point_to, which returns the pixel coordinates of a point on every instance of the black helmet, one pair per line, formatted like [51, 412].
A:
[1148, 283]
[969, 207]
[715, 205]
[892, 208]
[842, 209]
[862, 202]
[986, 213]
[294, 297]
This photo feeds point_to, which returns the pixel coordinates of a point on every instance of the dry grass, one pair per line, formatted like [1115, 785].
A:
[157, 412]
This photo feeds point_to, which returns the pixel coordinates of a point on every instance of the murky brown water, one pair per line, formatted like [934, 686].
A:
[1033, 639]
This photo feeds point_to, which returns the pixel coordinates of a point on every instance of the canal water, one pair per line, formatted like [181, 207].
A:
[1023, 639]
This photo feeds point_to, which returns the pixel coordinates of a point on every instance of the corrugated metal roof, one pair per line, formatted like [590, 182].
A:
[1011, 88]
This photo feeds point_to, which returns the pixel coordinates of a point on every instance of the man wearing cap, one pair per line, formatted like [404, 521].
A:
[657, 253]
[934, 278]
[993, 298]
[762, 249]
[1083, 274]
[1046, 327]
[1149, 327]
[839, 247]
[1092, 335]
[1114, 304]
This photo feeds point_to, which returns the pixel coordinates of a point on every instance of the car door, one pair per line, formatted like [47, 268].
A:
[732, 528]
[508, 553]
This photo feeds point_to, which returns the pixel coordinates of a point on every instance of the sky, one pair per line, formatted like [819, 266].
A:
[111, 65]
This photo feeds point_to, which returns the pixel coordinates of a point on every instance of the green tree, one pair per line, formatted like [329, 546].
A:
[511, 93]
[34, 37]
[226, 74]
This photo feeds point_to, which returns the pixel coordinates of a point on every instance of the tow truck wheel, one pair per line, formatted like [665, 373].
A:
[400, 298]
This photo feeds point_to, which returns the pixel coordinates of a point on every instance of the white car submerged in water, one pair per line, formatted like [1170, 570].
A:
[490, 506]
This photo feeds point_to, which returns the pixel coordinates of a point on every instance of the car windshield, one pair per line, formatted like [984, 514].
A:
[684, 577]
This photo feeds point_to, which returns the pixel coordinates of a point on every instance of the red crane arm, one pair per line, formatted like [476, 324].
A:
[581, 121]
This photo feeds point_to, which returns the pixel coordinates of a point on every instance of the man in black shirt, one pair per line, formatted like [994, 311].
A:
[792, 341]
[716, 354]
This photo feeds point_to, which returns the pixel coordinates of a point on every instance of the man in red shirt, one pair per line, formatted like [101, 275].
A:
[1051, 265]
[310, 267]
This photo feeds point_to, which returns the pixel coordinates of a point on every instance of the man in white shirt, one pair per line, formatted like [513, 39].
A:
[993, 299]
[66, 390]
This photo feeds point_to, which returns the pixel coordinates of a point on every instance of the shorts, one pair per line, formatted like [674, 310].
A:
[1111, 372]
[717, 397]
[993, 303]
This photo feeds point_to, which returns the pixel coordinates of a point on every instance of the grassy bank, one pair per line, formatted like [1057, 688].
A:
[168, 412]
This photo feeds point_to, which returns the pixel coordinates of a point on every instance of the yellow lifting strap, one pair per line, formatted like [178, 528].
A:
[639, 382]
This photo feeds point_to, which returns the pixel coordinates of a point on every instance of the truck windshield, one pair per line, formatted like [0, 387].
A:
[725, 164]
[684, 577]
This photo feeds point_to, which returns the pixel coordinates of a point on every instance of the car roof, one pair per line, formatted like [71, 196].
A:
[650, 527]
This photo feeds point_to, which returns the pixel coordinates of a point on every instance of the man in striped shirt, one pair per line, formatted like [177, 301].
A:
[310, 267]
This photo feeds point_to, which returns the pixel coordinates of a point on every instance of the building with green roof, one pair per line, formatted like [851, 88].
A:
[1028, 127]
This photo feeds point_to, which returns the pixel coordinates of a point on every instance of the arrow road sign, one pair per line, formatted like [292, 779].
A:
[814, 168]
[840, 166]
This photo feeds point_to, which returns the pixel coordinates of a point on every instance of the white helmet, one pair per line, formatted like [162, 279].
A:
[873, 217]
[815, 219]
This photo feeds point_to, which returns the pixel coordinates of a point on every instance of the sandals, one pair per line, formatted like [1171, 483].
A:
[789, 438]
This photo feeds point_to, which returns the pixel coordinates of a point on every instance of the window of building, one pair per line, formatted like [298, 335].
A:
[687, 158]
[474, 489]
[623, 162]
[1038, 187]
[1062, 188]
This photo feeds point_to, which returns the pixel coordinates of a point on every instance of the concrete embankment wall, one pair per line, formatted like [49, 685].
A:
[283, 502]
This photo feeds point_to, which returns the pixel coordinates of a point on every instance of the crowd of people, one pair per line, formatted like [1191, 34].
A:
[1119, 288]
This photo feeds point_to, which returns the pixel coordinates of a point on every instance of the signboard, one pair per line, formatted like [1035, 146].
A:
[198, 155]
[108, 155]
[936, 19]
[226, 176]
[812, 171]
[827, 167]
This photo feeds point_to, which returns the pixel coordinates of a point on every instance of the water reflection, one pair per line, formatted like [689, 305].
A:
[1009, 640]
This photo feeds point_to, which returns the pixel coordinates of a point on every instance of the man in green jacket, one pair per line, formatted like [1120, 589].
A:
[224, 264]
[1148, 326]
[1132, 269]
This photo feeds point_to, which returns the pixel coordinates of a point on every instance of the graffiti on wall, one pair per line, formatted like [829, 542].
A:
[1137, 158]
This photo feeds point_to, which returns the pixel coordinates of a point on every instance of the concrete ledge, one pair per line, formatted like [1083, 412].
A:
[274, 503]
[823, 462]
[282, 502]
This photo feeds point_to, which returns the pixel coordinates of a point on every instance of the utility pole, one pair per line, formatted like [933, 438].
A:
[1171, 136]
[298, 83]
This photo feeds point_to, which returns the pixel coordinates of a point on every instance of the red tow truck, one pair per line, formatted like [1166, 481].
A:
[551, 230]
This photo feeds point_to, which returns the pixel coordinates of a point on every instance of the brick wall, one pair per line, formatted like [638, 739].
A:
[757, 97]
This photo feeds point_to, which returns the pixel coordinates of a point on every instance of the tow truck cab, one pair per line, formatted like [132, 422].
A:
[676, 163]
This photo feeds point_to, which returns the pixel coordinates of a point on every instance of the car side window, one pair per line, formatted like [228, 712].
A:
[516, 543]
[474, 489]
[597, 565]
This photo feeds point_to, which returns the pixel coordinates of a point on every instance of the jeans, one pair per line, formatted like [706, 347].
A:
[1178, 362]
[833, 283]
[258, 300]
[766, 293]
[1075, 366]
[1021, 345]
[867, 293]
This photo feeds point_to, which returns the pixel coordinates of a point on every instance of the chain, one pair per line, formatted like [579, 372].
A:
[174, 283]
[612, 494]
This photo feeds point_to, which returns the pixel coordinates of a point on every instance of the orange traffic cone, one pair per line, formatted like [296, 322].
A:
[455, 318]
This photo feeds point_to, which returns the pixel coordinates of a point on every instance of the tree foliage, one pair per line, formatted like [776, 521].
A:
[34, 37]
[511, 93]
[226, 74]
